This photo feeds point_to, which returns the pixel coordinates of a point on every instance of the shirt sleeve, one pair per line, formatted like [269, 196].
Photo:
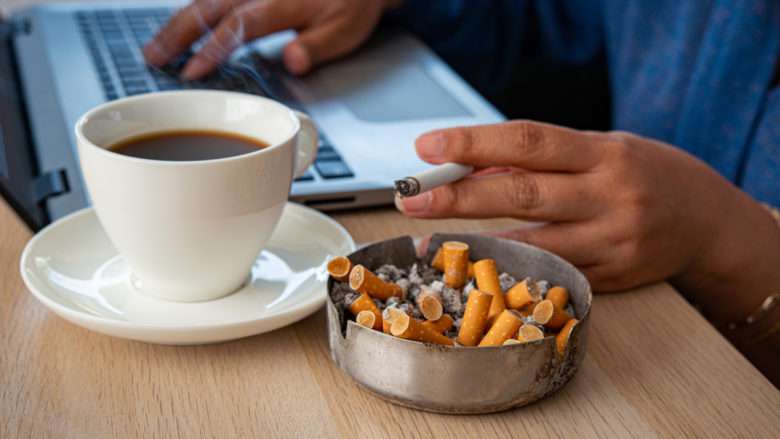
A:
[486, 40]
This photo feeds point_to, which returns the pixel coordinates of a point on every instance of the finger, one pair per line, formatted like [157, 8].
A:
[318, 44]
[524, 144]
[246, 22]
[604, 278]
[523, 195]
[184, 29]
[578, 243]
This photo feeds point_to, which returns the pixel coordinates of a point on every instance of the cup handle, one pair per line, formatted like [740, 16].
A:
[306, 149]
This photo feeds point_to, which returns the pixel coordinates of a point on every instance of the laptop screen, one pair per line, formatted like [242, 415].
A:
[17, 165]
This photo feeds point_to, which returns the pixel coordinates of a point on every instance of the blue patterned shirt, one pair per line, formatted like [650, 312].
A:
[696, 74]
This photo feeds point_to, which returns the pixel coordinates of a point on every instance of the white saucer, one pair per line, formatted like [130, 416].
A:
[73, 269]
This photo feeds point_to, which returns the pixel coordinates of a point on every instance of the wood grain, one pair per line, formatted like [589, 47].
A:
[654, 368]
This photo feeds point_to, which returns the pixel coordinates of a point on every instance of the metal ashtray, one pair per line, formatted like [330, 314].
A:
[466, 380]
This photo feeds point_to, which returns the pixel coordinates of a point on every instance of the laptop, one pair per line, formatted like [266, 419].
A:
[58, 61]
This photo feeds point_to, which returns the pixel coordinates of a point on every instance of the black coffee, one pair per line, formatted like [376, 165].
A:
[190, 145]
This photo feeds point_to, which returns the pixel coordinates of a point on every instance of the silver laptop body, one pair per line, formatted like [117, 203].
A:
[369, 107]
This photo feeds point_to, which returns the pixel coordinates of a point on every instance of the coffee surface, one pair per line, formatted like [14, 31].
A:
[189, 145]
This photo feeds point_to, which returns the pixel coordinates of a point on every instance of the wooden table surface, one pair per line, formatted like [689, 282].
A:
[654, 367]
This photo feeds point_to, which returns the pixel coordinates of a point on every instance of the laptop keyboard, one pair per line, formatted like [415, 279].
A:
[114, 38]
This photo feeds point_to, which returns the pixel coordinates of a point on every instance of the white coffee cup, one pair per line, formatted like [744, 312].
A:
[191, 230]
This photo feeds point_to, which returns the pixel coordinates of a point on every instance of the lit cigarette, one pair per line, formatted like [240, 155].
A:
[431, 178]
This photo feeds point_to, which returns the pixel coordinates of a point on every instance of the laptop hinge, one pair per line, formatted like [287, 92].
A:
[49, 185]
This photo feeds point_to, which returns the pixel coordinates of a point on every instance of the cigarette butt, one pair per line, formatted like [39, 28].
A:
[362, 280]
[429, 303]
[486, 275]
[527, 310]
[511, 341]
[387, 318]
[529, 333]
[438, 260]
[474, 318]
[442, 325]
[366, 318]
[438, 263]
[410, 328]
[339, 268]
[365, 303]
[521, 294]
[549, 315]
[562, 339]
[559, 296]
[456, 262]
[506, 326]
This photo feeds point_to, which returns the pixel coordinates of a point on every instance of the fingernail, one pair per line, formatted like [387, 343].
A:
[431, 146]
[418, 204]
[194, 69]
[297, 59]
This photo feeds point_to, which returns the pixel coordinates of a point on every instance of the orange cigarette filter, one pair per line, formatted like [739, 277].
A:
[506, 326]
[365, 303]
[486, 275]
[549, 315]
[456, 263]
[562, 339]
[521, 294]
[474, 318]
[438, 260]
[429, 303]
[362, 280]
[528, 333]
[438, 263]
[387, 318]
[366, 318]
[410, 328]
[339, 268]
[559, 296]
[442, 325]
[527, 310]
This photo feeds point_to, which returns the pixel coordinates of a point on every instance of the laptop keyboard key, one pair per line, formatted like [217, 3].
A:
[333, 169]
[308, 176]
[327, 154]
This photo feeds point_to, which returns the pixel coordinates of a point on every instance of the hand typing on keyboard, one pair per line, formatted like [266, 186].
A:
[327, 29]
